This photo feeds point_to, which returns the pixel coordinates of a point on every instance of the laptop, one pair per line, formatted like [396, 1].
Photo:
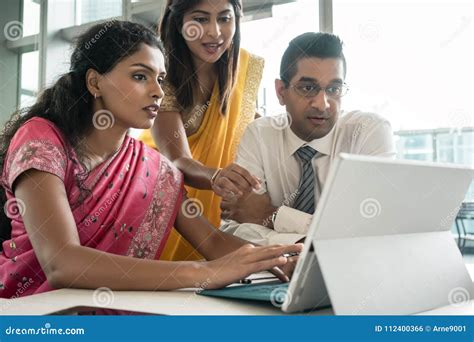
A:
[379, 243]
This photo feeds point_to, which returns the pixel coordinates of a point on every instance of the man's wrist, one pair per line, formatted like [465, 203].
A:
[270, 216]
[274, 216]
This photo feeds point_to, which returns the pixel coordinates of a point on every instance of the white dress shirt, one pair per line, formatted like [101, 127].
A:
[267, 150]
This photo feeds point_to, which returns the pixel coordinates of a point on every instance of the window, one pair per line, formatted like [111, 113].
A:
[416, 146]
[29, 78]
[287, 22]
[93, 10]
[29, 61]
[411, 62]
[31, 17]
[416, 72]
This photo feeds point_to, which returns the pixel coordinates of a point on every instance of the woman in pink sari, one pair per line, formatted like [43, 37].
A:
[88, 206]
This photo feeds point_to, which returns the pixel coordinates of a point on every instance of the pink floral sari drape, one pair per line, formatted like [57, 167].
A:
[130, 208]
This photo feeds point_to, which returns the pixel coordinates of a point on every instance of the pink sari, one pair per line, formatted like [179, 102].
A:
[131, 207]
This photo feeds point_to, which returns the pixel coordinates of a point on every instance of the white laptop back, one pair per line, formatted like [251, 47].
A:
[381, 238]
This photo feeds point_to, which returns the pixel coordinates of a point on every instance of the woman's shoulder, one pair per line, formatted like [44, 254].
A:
[37, 144]
[169, 89]
[40, 126]
[41, 129]
[169, 102]
[253, 58]
[251, 67]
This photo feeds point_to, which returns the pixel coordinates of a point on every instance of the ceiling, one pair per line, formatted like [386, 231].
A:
[149, 12]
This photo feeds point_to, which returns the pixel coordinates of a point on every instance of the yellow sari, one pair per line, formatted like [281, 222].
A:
[215, 144]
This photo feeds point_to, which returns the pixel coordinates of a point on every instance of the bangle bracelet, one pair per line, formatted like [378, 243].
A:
[214, 176]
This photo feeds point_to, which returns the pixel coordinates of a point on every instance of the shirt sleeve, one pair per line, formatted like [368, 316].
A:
[284, 239]
[249, 155]
[253, 233]
[378, 139]
[290, 220]
[36, 145]
[258, 234]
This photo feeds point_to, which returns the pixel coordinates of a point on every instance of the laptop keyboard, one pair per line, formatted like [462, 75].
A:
[274, 292]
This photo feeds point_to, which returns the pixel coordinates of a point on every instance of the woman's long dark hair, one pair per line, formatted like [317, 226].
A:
[68, 103]
[181, 73]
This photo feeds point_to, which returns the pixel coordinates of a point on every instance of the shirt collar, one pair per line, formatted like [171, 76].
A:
[322, 145]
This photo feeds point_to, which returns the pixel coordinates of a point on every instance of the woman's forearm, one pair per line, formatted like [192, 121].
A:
[83, 267]
[210, 242]
[195, 173]
[220, 244]
[170, 137]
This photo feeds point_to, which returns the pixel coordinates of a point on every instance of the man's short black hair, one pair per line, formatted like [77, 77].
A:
[307, 45]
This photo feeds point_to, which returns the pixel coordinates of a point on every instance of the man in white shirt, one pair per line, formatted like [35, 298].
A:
[292, 153]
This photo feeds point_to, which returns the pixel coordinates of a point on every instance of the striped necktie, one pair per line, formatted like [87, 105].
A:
[305, 199]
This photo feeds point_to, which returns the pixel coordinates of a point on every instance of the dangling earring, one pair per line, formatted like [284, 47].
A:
[95, 96]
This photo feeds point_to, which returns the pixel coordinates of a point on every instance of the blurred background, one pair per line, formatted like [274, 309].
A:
[410, 61]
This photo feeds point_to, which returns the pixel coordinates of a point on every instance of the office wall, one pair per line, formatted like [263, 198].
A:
[10, 14]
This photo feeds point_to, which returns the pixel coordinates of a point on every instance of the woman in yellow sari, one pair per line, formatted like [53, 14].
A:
[210, 99]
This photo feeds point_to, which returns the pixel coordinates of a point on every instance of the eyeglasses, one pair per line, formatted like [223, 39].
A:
[333, 91]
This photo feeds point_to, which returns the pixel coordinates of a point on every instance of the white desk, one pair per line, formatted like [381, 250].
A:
[182, 302]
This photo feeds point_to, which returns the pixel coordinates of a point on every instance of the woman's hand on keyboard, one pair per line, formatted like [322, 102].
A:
[245, 261]
[289, 267]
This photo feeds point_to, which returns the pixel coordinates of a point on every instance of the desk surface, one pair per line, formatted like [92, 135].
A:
[166, 303]
[181, 302]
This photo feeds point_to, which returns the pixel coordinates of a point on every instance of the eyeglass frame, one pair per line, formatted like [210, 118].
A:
[344, 86]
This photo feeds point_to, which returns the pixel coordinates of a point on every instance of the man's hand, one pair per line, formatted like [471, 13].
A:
[250, 208]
